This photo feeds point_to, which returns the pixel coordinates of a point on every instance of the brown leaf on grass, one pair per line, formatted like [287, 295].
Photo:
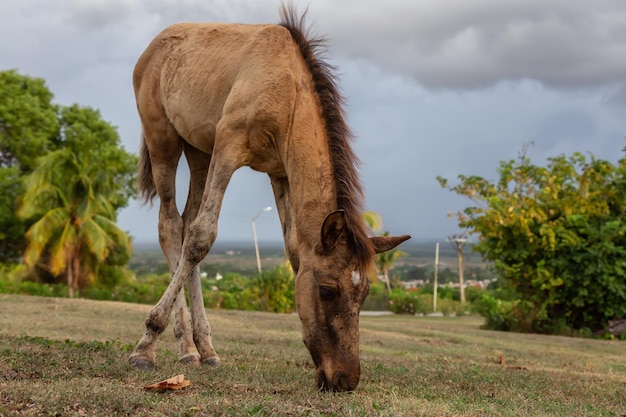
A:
[175, 382]
[502, 361]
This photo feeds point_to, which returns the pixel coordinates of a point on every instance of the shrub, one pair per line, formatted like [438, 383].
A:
[13, 280]
[275, 290]
[556, 236]
[402, 301]
[377, 299]
[499, 314]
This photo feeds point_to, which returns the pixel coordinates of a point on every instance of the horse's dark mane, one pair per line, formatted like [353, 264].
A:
[344, 160]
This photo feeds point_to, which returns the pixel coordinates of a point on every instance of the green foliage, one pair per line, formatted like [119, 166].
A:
[74, 202]
[96, 144]
[420, 302]
[499, 314]
[383, 261]
[75, 230]
[556, 235]
[54, 184]
[28, 121]
[410, 302]
[377, 299]
[13, 280]
[275, 290]
[231, 292]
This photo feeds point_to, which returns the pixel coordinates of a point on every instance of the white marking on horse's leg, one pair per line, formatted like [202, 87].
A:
[356, 278]
[201, 326]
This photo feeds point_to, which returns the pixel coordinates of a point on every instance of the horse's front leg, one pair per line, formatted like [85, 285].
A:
[198, 162]
[144, 355]
[183, 331]
[280, 187]
[170, 237]
[201, 326]
[171, 227]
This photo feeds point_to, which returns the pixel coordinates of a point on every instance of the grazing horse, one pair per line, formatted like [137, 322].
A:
[227, 96]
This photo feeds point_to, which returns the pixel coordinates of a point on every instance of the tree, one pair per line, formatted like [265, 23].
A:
[556, 235]
[28, 122]
[74, 201]
[75, 230]
[384, 261]
[83, 131]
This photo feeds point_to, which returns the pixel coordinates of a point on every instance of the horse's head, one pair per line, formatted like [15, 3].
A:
[329, 293]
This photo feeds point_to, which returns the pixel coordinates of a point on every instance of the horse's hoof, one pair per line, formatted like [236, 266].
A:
[140, 362]
[190, 359]
[211, 361]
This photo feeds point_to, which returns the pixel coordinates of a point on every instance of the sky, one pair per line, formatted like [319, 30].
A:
[433, 88]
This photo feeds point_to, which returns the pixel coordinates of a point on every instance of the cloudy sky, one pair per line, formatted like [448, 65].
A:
[434, 87]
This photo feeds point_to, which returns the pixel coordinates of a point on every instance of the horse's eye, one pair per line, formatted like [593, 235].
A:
[328, 293]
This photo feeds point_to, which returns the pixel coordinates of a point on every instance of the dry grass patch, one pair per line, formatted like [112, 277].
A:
[69, 357]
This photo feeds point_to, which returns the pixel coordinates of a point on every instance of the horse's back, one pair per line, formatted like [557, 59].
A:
[200, 72]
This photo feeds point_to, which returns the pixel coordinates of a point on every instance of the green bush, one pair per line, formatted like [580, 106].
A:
[13, 281]
[556, 237]
[271, 291]
[473, 294]
[139, 292]
[449, 293]
[412, 301]
[498, 314]
[97, 293]
[275, 290]
[377, 299]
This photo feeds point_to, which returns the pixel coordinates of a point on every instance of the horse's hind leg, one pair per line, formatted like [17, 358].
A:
[198, 166]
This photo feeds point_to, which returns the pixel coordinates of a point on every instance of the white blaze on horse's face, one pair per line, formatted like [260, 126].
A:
[329, 298]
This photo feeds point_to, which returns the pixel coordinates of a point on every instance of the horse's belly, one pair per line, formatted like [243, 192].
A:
[195, 127]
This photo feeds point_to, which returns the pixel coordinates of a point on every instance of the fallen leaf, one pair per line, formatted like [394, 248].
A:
[175, 382]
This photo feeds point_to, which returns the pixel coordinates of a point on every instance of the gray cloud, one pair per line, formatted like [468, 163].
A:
[461, 44]
[433, 87]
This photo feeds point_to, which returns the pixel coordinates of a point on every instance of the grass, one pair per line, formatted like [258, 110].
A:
[63, 357]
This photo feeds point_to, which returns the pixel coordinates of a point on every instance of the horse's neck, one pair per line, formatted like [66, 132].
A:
[310, 172]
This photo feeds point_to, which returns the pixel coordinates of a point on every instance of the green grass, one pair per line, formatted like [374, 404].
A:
[63, 357]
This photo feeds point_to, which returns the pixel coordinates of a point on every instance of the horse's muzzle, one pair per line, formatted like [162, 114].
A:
[339, 382]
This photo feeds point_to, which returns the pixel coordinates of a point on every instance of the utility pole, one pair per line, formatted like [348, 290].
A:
[436, 272]
[458, 241]
[256, 244]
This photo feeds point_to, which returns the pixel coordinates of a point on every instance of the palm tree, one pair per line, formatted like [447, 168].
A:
[75, 230]
[384, 261]
[374, 221]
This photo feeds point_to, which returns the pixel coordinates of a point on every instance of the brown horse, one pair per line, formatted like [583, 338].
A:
[229, 96]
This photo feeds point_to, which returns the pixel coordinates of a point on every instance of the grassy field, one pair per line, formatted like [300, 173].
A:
[63, 357]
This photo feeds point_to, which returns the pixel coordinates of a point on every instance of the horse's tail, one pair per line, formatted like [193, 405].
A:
[145, 181]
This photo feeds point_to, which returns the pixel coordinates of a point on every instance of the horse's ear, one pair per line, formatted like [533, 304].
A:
[385, 243]
[332, 229]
